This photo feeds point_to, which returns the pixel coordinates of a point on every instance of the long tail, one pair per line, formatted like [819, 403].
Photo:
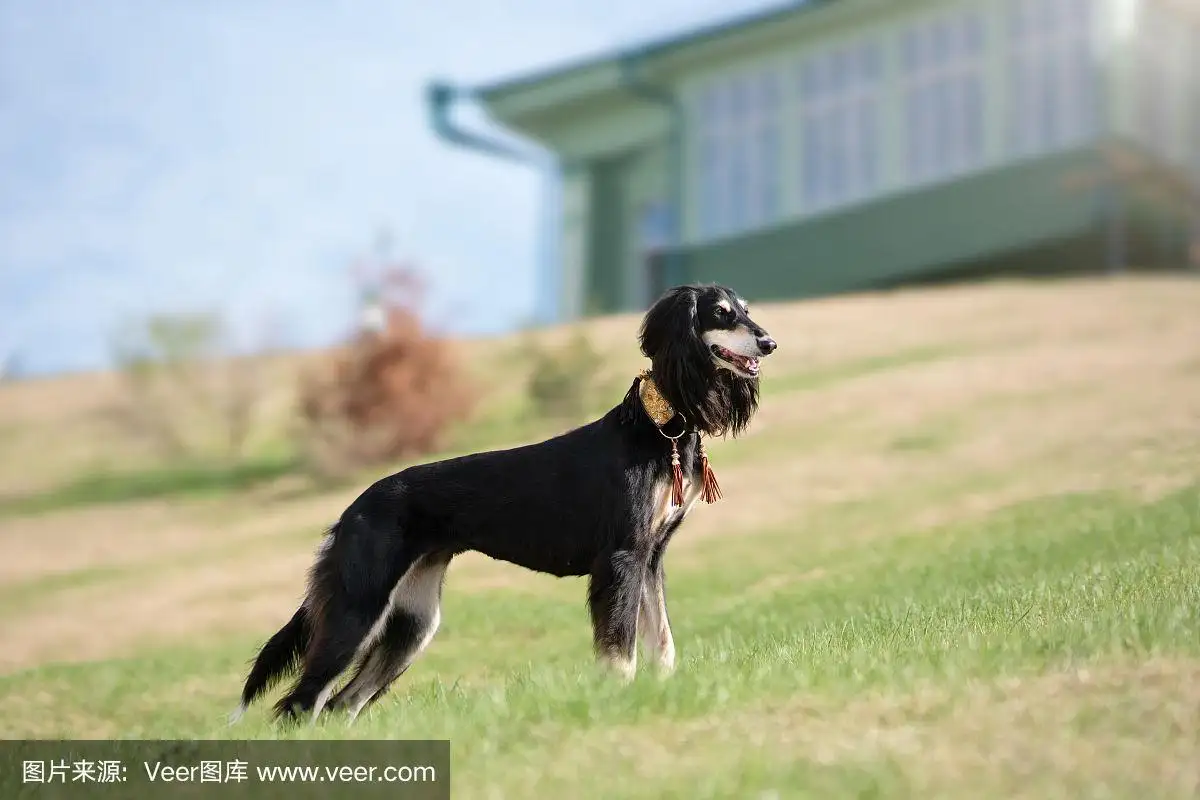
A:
[277, 657]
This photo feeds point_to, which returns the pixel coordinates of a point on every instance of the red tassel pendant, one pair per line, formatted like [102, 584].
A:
[677, 483]
[711, 489]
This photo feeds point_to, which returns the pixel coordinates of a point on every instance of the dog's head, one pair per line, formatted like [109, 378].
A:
[706, 352]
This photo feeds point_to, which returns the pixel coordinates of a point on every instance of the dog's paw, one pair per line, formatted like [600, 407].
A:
[666, 659]
[620, 667]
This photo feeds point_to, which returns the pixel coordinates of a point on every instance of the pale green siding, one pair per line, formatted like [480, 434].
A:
[644, 182]
[575, 247]
[857, 22]
[619, 125]
[1001, 210]
[615, 192]
[605, 284]
[813, 35]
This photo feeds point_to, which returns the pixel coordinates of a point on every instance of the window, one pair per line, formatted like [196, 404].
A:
[655, 226]
[739, 153]
[1152, 108]
[1162, 50]
[943, 98]
[1193, 102]
[840, 96]
[1052, 83]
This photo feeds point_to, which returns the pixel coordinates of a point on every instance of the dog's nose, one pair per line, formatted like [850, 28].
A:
[767, 345]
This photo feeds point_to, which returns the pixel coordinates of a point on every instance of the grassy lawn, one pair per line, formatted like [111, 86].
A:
[1054, 643]
[938, 571]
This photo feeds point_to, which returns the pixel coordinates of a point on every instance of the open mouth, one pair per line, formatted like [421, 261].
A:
[746, 365]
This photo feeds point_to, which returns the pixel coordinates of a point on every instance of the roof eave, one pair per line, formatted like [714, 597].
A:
[516, 101]
[561, 86]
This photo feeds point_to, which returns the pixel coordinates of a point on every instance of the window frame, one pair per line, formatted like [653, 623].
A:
[740, 151]
[1052, 89]
[943, 64]
[841, 96]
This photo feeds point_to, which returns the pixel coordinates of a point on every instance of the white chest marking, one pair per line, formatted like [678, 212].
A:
[663, 510]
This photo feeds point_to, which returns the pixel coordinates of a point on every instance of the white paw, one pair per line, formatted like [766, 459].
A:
[623, 668]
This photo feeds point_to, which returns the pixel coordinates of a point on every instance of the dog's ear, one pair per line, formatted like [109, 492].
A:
[671, 319]
[683, 368]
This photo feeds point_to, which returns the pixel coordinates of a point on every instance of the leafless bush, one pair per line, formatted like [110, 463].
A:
[183, 394]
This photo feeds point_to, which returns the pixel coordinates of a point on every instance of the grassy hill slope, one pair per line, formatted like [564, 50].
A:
[958, 554]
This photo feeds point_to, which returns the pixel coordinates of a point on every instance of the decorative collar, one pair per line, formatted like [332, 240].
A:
[660, 412]
[655, 405]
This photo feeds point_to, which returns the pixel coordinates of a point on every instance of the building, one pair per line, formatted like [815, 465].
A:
[838, 145]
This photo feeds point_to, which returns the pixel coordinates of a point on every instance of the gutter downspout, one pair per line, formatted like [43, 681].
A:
[439, 98]
[632, 81]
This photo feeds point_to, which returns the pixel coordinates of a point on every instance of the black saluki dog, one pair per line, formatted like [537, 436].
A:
[602, 500]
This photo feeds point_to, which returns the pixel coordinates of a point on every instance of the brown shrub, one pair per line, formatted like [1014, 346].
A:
[386, 395]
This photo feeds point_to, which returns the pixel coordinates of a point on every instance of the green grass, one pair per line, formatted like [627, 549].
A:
[856, 649]
[803, 670]
[167, 480]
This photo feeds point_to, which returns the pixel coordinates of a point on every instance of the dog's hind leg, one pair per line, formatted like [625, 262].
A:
[339, 635]
[614, 599]
[411, 625]
[349, 599]
[403, 640]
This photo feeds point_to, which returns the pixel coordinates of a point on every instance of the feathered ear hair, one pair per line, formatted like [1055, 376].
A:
[714, 400]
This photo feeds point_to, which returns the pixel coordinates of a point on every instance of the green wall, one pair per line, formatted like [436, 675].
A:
[620, 188]
[911, 234]
[604, 284]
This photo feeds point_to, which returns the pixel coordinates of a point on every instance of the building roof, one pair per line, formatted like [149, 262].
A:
[649, 49]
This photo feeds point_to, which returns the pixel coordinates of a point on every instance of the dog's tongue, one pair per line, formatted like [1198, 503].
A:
[749, 363]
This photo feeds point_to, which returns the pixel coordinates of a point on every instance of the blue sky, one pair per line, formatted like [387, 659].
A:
[236, 155]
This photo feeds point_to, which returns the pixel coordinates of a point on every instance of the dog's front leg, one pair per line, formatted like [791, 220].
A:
[654, 624]
[614, 599]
